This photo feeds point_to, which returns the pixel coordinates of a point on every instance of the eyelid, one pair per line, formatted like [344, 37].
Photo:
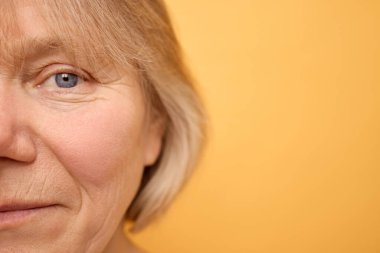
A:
[54, 69]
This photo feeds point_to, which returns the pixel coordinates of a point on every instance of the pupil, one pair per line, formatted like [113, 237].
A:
[65, 77]
[65, 80]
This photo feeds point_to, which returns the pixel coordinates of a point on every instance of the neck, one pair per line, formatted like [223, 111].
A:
[120, 243]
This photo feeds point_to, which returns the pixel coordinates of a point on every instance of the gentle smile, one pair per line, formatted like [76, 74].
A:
[14, 214]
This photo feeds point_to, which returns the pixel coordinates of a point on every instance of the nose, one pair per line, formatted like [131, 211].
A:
[15, 139]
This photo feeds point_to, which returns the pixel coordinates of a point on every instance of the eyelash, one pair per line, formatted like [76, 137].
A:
[62, 70]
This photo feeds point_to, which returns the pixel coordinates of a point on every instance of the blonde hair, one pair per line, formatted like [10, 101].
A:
[139, 33]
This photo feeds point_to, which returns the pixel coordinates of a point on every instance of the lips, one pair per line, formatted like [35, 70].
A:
[13, 207]
[14, 214]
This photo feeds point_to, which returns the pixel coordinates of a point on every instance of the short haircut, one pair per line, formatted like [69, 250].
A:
[139, 34]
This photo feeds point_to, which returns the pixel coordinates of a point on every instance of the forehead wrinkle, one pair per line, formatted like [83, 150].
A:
[17, 56]
[14, 53]
[40, 47]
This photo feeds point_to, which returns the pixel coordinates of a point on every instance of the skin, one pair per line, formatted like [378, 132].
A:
[81, 149]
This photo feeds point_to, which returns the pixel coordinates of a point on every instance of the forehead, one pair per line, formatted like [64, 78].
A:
[21, 19]
[94, 34]
[26, 28]
[22, 31]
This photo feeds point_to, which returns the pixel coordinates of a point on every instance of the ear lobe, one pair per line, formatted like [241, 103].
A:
[155, 136]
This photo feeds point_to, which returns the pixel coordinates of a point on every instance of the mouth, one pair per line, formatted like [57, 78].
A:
[15, 214]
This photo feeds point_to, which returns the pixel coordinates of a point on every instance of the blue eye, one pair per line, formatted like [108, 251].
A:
[66, 80]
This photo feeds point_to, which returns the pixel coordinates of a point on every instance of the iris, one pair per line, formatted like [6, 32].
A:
[66, 80]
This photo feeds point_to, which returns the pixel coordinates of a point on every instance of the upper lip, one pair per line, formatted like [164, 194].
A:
[18, 206]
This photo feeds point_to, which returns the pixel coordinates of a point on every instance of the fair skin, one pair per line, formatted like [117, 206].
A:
[72, 151]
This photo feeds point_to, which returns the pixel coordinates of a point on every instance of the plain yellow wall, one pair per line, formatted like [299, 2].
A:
[293, 160]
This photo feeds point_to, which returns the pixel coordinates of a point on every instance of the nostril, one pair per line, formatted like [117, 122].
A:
[4, 160]
[17, 146]
[15, 140]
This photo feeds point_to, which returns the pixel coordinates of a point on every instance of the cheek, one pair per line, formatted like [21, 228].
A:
[97, 144]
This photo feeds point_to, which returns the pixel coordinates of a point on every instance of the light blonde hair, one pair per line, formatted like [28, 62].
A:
[139, 33]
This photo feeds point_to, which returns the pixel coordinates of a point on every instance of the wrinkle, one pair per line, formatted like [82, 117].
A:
[29, 189]
[44, 183]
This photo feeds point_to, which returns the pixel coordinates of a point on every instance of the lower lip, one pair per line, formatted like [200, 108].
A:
[9, 219]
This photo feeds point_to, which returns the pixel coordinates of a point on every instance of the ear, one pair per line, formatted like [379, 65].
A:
[155, 134]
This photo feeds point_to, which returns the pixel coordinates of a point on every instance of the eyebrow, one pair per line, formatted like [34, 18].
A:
[16, 54]
[39, 47]
[18, 51]
[22, 53]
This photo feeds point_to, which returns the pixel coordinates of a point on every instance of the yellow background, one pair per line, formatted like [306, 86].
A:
[293, 160]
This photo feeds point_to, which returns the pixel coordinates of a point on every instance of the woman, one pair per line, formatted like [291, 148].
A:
[98, 121]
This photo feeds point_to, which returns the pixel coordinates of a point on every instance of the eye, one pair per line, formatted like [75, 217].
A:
[66, 80]
[63, 81]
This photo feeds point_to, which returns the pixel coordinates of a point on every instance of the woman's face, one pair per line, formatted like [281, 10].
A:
[72, 151]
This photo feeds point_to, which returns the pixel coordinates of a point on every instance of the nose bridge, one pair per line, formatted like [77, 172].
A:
[15, 143]
[7, 113]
